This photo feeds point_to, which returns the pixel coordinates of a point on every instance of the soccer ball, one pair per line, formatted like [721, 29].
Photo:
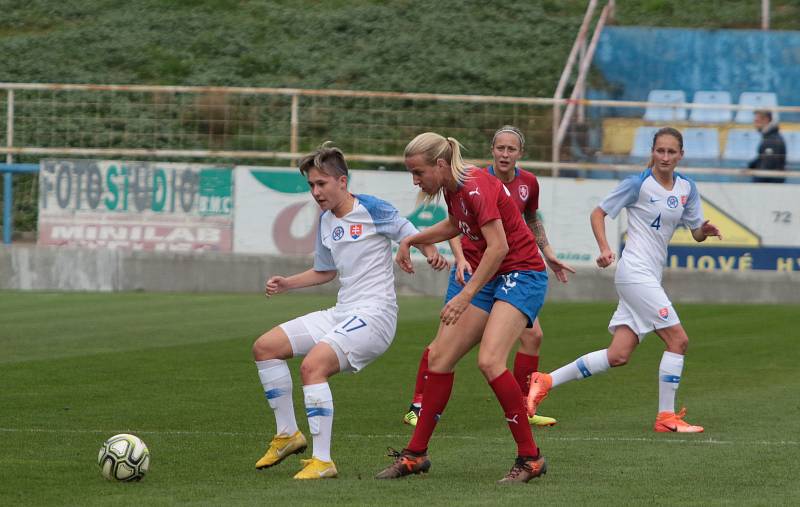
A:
[124, 457]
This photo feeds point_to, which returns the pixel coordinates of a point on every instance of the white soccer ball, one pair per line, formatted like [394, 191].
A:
[124, 457]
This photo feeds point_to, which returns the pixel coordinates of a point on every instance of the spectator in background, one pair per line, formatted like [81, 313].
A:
[771, 151]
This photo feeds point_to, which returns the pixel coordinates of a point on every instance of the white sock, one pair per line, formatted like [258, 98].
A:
[277, 382]
[585, 366]
[319, 409]
[669, 376]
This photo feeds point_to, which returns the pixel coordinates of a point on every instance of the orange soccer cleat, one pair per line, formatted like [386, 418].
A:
[525, 469]
[405, 463]
[540, 386]
[670, 422]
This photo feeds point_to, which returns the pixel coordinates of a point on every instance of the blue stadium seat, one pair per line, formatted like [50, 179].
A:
[711, 115]
[643, 142]
[759, 100]
[654, 113]
[792, 139]
[742, 144]
[701, 143]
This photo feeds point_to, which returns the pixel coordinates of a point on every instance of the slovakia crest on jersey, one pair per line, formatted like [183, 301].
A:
[355, 231]
[684, 198]
[664, 313]
[523, 192]
[672, 202]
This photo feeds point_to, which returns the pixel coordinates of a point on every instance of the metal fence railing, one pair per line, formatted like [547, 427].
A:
[277, 125]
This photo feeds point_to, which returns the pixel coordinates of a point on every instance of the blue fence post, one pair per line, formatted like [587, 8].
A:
[8, 223]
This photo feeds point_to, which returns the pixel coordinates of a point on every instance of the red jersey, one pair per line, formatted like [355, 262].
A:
[481, 199]
[524, 190]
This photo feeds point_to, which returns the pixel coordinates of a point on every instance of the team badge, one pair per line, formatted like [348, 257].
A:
[672, 202]
[337, 233]
[464, 207]
[355, 231]
[664, 313]
[684, 198]
[523, 192]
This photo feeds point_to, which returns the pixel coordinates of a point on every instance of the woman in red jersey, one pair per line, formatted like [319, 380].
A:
[508, 145]
[501, 298]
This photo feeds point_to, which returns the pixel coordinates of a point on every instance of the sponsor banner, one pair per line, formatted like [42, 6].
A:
[759, 226]
[734, 259]
[275, 213]
[565, 205]
[135, 205]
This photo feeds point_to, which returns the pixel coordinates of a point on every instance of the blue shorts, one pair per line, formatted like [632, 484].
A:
[524, 290]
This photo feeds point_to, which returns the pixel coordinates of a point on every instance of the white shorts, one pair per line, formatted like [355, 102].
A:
[643, 308]
[358, 336]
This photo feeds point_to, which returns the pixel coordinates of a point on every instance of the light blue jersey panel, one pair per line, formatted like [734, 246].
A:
[693, 210]
[323, 258]
[388, 221]
[626, 193]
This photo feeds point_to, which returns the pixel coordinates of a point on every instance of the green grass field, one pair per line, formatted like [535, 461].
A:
[176, 370]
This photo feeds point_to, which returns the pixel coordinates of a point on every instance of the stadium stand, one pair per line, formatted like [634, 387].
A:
[701, 143]
[742, 144]
[643, 141]
[759, 100]
[711, 115]
[653, 113]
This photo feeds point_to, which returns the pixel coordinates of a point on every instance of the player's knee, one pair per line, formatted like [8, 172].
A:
[263, 348]
[618, 358]
[490, 366]
[309, 370]
[679, 345]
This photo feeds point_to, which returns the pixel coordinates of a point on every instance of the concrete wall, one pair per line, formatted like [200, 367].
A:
[51, 268]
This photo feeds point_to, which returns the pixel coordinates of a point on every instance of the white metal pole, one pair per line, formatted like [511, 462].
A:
[765, 14]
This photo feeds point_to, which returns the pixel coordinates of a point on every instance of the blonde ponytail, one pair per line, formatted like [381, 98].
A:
[432, 147]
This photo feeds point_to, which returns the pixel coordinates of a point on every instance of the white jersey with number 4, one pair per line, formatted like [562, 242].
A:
[653, 215]
[359, 247]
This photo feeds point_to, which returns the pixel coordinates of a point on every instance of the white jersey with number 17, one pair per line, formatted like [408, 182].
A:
[653, 215]
[359, 247]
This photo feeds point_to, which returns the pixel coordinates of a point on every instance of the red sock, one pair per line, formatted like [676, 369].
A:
[420, 385]
[437, 391]
[510, 397]
[524, 366]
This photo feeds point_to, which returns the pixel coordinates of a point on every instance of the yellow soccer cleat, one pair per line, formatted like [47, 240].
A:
[317, 469]
[670, 422]
[281, 447]
[541, 420]
[411, 417]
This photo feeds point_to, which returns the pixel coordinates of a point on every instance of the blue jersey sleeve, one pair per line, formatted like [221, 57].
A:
[386, 218]
[323, 258]
[626, 193]
[693, 209]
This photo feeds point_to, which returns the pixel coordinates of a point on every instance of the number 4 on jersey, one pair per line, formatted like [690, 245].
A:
[656, 224]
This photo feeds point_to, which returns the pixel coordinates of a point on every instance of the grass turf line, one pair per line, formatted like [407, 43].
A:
[176, 370]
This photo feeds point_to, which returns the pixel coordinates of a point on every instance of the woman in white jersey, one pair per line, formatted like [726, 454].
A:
[657, 201]
[353, 242]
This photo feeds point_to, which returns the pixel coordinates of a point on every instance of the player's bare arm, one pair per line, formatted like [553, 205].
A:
[461, 264]
[558, 267]
[435, 259]
[598, 221]
[278, 284]
[707, 229]
[442, 231]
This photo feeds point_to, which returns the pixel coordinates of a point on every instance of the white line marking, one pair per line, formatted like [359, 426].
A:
[707, 441]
